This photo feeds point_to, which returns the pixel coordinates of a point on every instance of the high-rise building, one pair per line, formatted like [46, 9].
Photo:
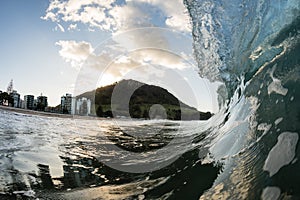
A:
[16, 96]
[29, 102]
[66, 104]
[42, 103]
[83, 106]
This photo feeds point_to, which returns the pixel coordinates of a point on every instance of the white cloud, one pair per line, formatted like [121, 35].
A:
[79, 53]
[108, 15]
[73, 27]
[75, 52]
[158, 57]
[175, 13]
[91, 12]
[50, 15]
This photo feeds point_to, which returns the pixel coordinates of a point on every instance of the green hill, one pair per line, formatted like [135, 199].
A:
[145, 101]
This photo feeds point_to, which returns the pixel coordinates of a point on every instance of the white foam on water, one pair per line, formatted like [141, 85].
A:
[264, 127]
[270, 193]
[29, 193]
[277, 121]
[292, 98]
[282, 153]
[276, 86]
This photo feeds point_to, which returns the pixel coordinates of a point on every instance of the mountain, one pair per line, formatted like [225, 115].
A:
[139, 100]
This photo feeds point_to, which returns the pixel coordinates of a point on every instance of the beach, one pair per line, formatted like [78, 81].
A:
[33, 112]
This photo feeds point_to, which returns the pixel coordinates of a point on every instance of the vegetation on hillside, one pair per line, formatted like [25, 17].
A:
[146, 101]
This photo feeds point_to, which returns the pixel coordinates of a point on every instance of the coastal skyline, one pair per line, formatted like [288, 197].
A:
[46, 43]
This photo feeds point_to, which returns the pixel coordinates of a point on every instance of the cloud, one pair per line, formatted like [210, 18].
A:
[113, 16]
[158, 57]
[113, 64]
[138, 50]
[81, 53]
[75, 52]
[91, 12]
[50, 16]
[73, 27]
[175, 13]
[116, 61]
[120, 17]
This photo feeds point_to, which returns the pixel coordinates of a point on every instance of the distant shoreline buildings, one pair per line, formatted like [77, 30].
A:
[69, 105]
[75, 106]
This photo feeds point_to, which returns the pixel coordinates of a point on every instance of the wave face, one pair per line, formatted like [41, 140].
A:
[253, 47]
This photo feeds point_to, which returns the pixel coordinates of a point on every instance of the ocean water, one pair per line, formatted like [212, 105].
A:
[248, 150]
[59, 158]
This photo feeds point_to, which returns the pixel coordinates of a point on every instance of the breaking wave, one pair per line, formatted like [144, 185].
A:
[253, 47]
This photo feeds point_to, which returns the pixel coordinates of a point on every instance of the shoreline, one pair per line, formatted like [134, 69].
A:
[49, 114]
[59, 115]
[33, 112]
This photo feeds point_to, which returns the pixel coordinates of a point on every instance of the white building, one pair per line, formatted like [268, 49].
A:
[73, 106]
[83, 106]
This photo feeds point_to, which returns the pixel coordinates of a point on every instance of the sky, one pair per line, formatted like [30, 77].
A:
[54, 47]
